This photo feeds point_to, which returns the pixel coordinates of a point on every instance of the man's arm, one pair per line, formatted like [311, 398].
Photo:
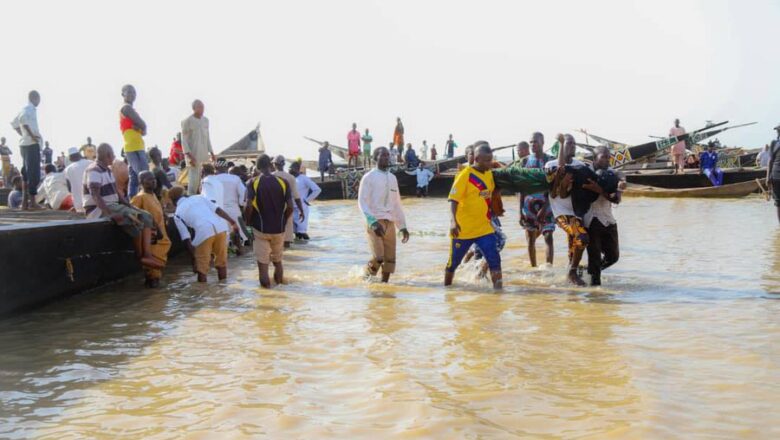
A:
[454, 226]
[288, 209]
[138, 123]
[227, 218]
[185, 138]
[94, 190]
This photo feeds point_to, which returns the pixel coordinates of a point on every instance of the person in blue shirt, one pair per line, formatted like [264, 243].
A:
[410, 157]
[16, 196]
[708, 165]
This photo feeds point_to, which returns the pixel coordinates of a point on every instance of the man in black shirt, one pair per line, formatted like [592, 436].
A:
[269, 207]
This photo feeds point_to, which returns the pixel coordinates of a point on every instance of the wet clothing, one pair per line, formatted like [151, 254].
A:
[309, 191]
[500, 239]
[379, 198]
[487, 244]
[472, 190]
[270, 197]
[382, 248]
[603, 248]
[268, 248]
[517, 179]
[576, 234]
[161, 244]
[200, 214]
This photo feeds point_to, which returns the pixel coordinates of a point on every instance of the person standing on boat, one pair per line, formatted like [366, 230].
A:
[773, 171]
[74, 174]
[325, 161]
[26, 125]
[410, 157]
[367, 139]
[536, 217]
[5, 158]
[678, 149]
[449, 148]
[309, 191]
[603, 247]
[148, 201]
[211, 231]
[433, 152]
[88, 150]
[353, 146]
[268, 210]
[398, 135]
[47, 154]
[762, 159]
[563, 209]
[133, 130]
[380, 202]
[424, 150]
[708, 165]
[176, 152]
[289, 235]
[393, 155]
[101, 199]
[196, 143]
[471, 212]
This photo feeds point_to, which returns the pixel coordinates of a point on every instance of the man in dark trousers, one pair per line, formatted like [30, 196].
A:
[603, 248]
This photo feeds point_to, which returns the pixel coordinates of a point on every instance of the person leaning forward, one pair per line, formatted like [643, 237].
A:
[380, 201]
[210, 239]
[101, 199]
[268, 211]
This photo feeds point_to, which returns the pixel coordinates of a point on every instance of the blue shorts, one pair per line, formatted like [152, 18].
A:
[487, 244]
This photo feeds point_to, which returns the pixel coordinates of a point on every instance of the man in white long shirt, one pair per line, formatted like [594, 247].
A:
[26, 125]
[308, 191]
[74, 174]
[233, 200]
[211, 228]
[196, 143]
[279, 162]
[380, 201]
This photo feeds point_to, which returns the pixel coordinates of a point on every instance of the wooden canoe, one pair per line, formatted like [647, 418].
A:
[733, 190]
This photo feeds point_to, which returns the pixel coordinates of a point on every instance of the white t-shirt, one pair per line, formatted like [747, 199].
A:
[211, 188]
[198, 213]
[54, 189]
[561, 206]
[424, 177]
[233, 192]
[74, 173]
[29, 117]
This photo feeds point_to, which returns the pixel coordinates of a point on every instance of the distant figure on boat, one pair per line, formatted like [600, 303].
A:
[449, 148]
[708, 165]
[26, 125]
[424, 150]
[5, 158]
[380, 202]
[196, 143]
[367, 139]
[398, 134]
[176, 153]
[762, 159]
[410, 157]
[353, 146]
[433, 152]
[773, 170]
[678, 149]
[309, 192]
[46, 154]
[393, 155]
[325, 161]
[54, 190]
[89, 150]
[133, 130]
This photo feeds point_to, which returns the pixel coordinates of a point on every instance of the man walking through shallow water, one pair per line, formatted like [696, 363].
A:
[470, 207]
[380, 201]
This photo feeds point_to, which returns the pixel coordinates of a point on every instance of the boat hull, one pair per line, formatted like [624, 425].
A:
[692, 179]
[734, 190]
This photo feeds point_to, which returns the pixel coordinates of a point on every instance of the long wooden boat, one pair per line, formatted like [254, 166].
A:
[691, 178]
[733, 190]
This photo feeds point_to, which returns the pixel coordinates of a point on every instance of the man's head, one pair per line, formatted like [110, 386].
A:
[382, 158]
[198, 108]
[354, 126]
[537, 143]
[156, 155]
[279, 162]
[602, 158]
[165, 164]
[49, 168]
[74, 154]
[408, 146]
[568, 149]
[46, 144]
[559, 138]
[325, 144]
[105, 154]
[295, 168]
[421, 166]
[366, 131]
[264, 163]
[777, 129]
[16, 182]
[398, 119]
[425, 142]
[676, 122]
[2, 141]
[523, 149]
[450, 136]
[207, 169]
[175, 194]
[34, 97]
[128, 93]
[89, 140]
[483, 156]
[148, 182]
[178, 137]
[470, 155]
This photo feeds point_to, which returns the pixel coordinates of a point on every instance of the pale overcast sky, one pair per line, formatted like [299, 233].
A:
[495, 70]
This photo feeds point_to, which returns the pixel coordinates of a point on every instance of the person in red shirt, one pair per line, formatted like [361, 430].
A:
[176, 155]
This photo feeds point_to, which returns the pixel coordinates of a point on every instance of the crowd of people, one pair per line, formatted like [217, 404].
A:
[217, 205]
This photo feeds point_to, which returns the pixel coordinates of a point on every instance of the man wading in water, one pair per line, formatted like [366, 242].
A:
[380, 201]
[470, 206]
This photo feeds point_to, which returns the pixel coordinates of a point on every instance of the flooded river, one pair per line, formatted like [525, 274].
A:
[683, 341]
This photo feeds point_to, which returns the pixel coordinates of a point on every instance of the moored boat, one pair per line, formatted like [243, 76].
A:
[734, 190]
[691, 178]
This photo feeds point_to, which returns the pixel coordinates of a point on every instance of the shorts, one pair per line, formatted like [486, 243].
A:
[487, 244]
[133, 220]
[355, 153]
[776, 191]
[529, 214]
[268, 248]
[215, 245]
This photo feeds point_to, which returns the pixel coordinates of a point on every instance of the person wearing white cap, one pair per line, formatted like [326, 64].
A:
[289, 235]
[74, 174]
[773, 170]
